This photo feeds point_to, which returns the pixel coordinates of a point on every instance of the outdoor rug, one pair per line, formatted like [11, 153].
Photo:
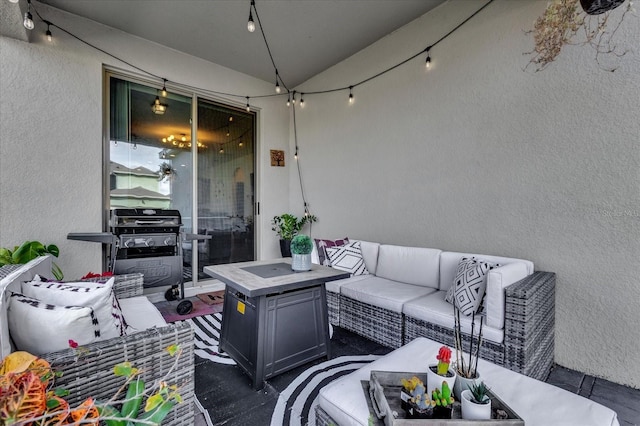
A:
[225, 392]
[168, 309]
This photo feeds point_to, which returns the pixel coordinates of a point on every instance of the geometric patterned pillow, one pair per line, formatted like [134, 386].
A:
[469, 285]
[348, 258]
[321, 246]
[39, 327]
[99, 297]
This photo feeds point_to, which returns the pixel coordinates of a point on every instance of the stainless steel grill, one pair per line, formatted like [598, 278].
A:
[147, 241]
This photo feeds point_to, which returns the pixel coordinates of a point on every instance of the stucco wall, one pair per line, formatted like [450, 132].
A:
[479, 156]
[51, 132]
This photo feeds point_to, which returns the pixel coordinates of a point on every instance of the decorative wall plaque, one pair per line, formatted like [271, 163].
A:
[277, 158]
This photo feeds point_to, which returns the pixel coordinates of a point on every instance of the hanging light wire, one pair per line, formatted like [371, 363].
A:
[264, 37]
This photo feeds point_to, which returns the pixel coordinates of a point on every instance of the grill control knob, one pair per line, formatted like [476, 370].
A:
[149, 242]
[168, 241]
[129, 243]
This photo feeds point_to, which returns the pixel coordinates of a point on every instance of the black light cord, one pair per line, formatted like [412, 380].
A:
[297, 160]
[264, 37]
[287, 92]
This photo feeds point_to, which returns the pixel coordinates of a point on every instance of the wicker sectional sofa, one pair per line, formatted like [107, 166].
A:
[403, 297]
[90, 371]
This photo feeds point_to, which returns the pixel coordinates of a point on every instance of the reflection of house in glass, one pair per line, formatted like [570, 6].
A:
[135, 188]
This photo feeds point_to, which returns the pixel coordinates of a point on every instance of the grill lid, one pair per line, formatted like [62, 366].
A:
[144, 218]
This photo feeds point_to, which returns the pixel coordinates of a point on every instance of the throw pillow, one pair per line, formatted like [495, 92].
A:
[38, 327]
[322, 245]
[98, 296]
[348, 258]
[469, 285]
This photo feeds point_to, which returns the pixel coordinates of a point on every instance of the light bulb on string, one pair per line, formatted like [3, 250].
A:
[48, 33]
[164, 88]
[295, 156]
[289, 100]
[277, 82]
[14, 1]
[251, 26]
[293, 98]
[248, 106]
[428, 62]
[28, 19]
[301, 100]
[350, 94]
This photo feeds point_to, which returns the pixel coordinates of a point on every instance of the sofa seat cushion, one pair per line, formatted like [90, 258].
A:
[434, 309]
[140, 314]
[411, 265]
[383, 293]
[334, 286]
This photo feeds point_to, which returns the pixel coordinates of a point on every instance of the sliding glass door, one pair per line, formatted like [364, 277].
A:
[164, 153]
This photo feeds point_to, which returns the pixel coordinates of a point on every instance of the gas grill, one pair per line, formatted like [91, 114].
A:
[144, 241]
[147, 241]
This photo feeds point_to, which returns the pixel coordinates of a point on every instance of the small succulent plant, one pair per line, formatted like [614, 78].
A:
[442, 397]
[444, 358]
[301, 244]
[479, 392]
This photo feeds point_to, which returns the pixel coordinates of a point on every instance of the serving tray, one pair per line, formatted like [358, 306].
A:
[383, 394]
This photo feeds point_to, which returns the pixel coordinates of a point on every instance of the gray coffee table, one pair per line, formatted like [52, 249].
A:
[274, 319]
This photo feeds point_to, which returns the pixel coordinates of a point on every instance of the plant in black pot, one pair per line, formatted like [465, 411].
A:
[288, 226]
[301, 247]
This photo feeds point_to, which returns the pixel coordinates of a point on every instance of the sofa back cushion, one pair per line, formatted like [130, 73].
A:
[410, 265]
[370, 252]
[449, 261]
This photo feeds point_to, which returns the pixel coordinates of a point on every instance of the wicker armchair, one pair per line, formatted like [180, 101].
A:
[91, 372]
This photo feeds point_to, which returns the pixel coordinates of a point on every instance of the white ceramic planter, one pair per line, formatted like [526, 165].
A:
[301, 262]
[462, 384]
[473, 411]
[435, 381]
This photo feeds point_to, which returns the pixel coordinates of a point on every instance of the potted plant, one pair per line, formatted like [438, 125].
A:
[439, 373]
[476, 403]
[301, 247]
[466, 365]
[287, 226]
[28, 251]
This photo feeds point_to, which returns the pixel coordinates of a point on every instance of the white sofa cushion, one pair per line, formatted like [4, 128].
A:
[449, 263]
[140, 313]
[434, 309]
[334, 286]
[383, 293]
[99, 297]
[370, 255]
[497, 281]
[39, 327]
[411, 265]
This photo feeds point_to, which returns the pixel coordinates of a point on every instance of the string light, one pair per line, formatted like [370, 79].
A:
[14, 1]
[301, 100]
[248, 106]
[289, 100]
[293, 98]
[28, 18]
[48, 33]
[351, 94]
[251, 26]
[164, 87]
[428, 61]
[277, 82]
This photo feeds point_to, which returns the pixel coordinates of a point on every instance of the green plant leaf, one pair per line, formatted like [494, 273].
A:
[153, 401]
[108, 411]
[124, 369]
[56, 271]
[60, 392]
[134, 399]
[53, 250]
[173, 349]
[52, 403]
[156, 416]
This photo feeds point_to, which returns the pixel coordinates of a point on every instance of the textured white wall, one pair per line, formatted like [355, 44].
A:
[51, 132]
[479, 156]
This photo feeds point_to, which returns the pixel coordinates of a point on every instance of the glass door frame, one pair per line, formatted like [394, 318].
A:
[108, 73]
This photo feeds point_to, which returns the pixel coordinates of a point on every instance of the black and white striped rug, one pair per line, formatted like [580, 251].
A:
[296, 403]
